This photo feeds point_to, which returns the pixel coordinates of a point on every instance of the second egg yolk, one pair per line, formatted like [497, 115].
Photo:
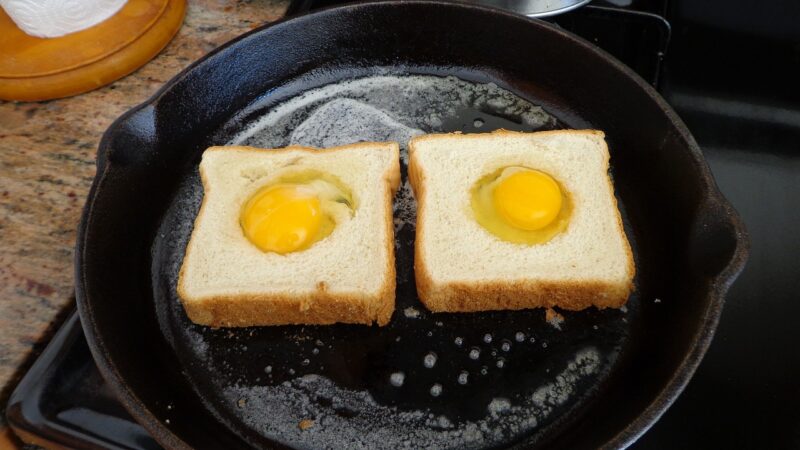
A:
[521, 205]
[282, 218]
[528, 199]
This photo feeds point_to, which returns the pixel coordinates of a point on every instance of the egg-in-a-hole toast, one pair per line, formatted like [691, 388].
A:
[293, 236]
[510, 220]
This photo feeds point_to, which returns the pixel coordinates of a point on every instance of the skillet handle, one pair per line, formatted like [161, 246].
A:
[129, 139]
[718, 243]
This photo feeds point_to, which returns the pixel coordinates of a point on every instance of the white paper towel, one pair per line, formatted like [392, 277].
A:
[53, 18]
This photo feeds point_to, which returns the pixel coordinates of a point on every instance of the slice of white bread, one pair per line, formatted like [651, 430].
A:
[459, 266]
[348, 277]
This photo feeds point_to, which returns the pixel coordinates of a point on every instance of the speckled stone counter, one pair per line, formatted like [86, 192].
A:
[47, 153]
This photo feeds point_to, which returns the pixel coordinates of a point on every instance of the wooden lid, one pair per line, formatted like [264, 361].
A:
[33, 68]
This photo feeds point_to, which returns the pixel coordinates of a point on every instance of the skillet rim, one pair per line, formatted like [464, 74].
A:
[719, 283]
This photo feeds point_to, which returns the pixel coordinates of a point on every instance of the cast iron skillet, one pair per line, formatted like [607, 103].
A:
[689, 243]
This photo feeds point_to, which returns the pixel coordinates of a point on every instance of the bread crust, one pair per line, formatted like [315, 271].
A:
[320, 307]
[517, 294]
[317, 308]
[505, 295]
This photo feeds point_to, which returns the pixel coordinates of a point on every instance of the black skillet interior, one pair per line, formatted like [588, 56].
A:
[211, 388]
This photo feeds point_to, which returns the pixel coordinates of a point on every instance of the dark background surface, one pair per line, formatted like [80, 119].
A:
[732, 74]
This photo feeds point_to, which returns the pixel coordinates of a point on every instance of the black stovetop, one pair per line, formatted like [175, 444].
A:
[732, 74]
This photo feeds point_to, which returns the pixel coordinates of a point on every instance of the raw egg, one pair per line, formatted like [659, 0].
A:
[295, 211]
[521, 205]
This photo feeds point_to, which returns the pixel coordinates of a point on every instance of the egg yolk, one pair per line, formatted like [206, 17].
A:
[282, 218]
[521, 205]
[528, 199]
[298, 208]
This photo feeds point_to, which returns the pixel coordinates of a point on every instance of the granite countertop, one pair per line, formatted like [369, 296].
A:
[47, 153]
